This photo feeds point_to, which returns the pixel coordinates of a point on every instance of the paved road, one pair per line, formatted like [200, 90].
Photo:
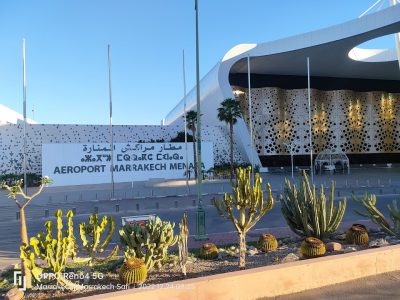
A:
[382, 287]
[83, 198]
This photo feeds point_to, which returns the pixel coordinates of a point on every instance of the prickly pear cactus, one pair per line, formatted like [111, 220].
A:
[357, 234]
[133, 271]
[267, 242]
[312, 247]
[91, 236]
[208, 251]
[150, 242]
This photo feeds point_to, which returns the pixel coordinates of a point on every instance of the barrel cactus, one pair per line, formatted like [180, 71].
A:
[208, 251]
[357, 234]
[312, 247]
[133, 271]
[267, 242]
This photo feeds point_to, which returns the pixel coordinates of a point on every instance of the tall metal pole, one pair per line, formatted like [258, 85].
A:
[309, 120]
[111, 126]
[397, 36]
[185, 122]
[200, 214]
[24, 112]
[250, 118]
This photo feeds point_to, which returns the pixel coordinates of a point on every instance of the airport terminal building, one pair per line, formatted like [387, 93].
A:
[354, 100]
[354, 94]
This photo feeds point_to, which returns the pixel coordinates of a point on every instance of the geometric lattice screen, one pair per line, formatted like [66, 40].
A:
[353, 122]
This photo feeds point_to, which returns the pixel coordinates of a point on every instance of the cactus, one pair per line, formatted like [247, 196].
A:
[208, 251]
[150, 242]
[267, 242]
[308, 213]
[133, 271]
[249, 201]
[93, 244]
[312, 247]
[14, 192]
[369, 204]
[182, 244]
[357, 234]
[54, 250]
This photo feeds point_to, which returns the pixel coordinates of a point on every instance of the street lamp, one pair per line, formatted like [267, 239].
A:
[200, 214]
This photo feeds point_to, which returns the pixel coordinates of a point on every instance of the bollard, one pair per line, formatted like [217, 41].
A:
[137, 206]
[74, 210]
[125, 195]
[96, 209]
[46, 213]
[176, 203]
[117, 208]
[18, 215]
[347, 183]
[96, 197]
[338, 193]
[157, 205]
[194, 202]
[66, 198]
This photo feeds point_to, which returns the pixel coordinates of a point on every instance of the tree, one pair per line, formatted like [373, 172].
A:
[13, 192]
[229, 112]
[191, 122]
[245, 206]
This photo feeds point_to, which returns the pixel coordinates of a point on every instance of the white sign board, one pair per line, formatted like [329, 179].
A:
[76, 164]
[141, 220]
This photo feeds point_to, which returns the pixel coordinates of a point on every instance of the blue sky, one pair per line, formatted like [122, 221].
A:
[67, 79]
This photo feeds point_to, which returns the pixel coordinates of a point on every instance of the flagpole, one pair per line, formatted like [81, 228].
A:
[309, 120]
[250, 117]
[185, 122]
[111, 126]
[24, 111]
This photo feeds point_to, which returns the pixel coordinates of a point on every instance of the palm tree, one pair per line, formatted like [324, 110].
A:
[229, 112]
[191, 121]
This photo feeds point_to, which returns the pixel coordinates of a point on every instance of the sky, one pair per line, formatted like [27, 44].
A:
[66, 50]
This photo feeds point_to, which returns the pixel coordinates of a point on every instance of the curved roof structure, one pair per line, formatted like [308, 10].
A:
[332, 51]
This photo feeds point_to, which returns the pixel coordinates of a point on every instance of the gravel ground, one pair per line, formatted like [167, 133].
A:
[197, 267]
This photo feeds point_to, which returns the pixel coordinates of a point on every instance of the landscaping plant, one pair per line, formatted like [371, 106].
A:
[53, 250]
[368, 202]
[308, 213]
[245, 206]
[312, 247]
[229, 112]
[191, 121]
[150, 242]
[91, 237]
[14, 192]
[182, 243]
[133, 271]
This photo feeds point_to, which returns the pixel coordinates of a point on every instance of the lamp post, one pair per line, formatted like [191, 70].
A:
[185, 123]
[200, 214]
